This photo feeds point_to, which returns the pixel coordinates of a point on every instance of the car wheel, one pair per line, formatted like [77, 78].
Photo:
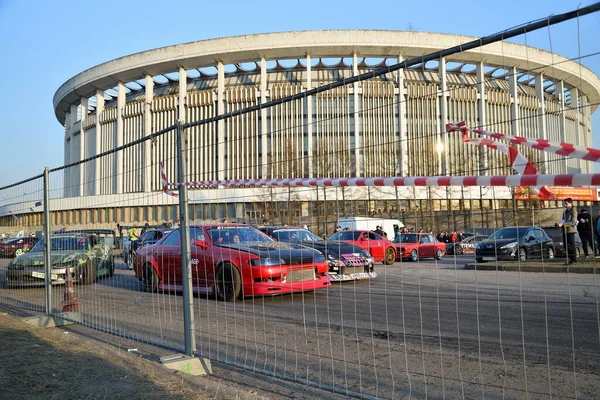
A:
[458, 250]
[390, 256]
[18, 252]
[438, 254]
[150, 278]
[414, 255]
[88, 272]
[228, 283]
[550, 253]
[522, 254]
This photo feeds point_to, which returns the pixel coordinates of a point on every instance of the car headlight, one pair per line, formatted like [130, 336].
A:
[477, 246]
[510, 245]
[329, 256]
[266, 262]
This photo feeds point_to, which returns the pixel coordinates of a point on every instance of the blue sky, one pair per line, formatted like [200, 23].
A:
[44, 43]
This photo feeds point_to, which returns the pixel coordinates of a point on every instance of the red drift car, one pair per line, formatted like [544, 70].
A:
[231, 261]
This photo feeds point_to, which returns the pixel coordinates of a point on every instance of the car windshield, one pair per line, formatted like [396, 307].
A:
[406, 238]
[12, 241]
[345, 235]
[236, 234]
[295, 236]
[508, 233]
[63, 243]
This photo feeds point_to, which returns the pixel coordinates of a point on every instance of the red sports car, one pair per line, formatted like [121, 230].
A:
[231, 261]
[380, 248]
[412, 246]
[14, 247]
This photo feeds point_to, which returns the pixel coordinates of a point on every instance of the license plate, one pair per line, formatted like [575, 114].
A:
[488, 258]
[42, 275]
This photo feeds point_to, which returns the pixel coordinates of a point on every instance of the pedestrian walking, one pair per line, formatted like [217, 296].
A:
[584, 227]
[569, 229]
[597, 233]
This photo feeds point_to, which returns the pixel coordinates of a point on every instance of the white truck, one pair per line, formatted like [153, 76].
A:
[389, 226]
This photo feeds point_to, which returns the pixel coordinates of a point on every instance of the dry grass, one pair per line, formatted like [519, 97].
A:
[54, 364]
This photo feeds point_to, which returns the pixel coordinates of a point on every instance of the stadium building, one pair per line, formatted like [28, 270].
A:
[393, 125]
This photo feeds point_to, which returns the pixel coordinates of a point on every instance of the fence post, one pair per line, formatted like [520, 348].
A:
[47, 247]
[188, 298]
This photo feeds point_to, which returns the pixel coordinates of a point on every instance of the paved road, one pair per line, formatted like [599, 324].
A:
[424, 329]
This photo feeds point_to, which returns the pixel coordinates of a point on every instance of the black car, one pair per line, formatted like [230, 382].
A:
[465, 246]
[346, 261]
[556, 235]
[516, 243]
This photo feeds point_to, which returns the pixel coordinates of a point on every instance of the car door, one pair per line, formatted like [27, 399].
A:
[531, 244]
[375, 244]
[424, 247]
[544, 242]
[202, 260]
[168, 255]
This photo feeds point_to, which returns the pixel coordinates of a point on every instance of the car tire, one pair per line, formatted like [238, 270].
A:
[88, 273]
[458, 250]
[390, 256]
[438, 254]
[414, 255]
[150, 279]
[18, 252]
[130, 260]
[227, 282]
[550, 253]
[522, 256]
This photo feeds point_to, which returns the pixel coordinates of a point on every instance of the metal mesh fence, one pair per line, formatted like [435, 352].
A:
[287, 234]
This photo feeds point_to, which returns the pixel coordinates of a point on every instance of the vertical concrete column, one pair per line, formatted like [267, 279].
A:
[74, 156]
[83, 167]
[118, 168]
[358, 140]
[562, 125]
[515, 122]
[402, 122]
[221, 124]
[579, 134]
[443, 96]
[182, 113]
[541, 116]
[67, 156]
[481, 111]
[98, 147]
[148, 99]
[309, 117]
[263, 119]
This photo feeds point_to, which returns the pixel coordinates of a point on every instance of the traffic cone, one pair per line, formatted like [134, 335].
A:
[70, 302]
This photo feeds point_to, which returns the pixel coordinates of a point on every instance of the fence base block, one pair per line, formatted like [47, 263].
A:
[48, 321]
[190, 365]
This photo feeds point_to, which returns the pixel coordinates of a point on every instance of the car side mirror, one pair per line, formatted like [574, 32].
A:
[203, 244]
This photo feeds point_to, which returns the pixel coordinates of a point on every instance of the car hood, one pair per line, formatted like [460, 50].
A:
[485, 244]
[289, 252]
[36, 259]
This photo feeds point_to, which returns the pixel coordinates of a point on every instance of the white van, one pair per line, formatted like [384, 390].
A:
[389, 226]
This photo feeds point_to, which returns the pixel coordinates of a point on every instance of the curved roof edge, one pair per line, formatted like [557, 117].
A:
[328, 43]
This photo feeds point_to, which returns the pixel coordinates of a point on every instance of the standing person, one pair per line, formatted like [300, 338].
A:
[584, 227]
[380, 231]
[569, 229]
[597, 232]
[145, 228]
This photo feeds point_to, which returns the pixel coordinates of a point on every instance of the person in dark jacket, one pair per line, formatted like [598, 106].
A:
[569, 228]
[597, 233]
[584, 227]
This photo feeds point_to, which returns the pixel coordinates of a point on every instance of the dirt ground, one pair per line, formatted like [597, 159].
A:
[68, 363]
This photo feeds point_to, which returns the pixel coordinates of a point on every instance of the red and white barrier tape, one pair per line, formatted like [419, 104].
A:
[165, 181]
[517, 160]
[575, 180]
[559, 148]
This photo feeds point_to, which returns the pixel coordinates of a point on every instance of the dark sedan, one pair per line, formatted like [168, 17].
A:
[231, 261]
[465, 246]
[346, 261]
[515, 243]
